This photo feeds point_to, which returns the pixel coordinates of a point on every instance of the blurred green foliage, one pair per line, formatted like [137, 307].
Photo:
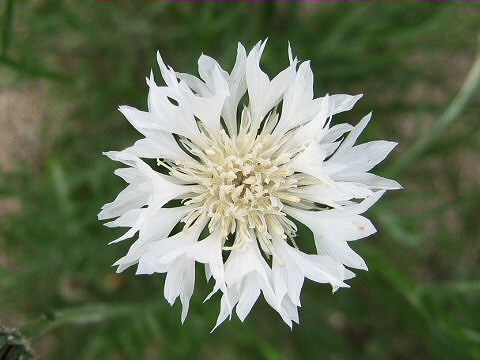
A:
[420, 298]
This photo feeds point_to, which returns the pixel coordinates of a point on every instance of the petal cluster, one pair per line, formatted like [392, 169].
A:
[228, 164]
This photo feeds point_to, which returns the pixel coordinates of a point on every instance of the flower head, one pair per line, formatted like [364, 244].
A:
[235, 174]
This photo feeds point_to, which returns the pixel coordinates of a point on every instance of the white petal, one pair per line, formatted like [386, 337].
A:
[287, 278]
[162, 189]
[325, 193]
[207, 251]
[227, 302]
[341, 251]
[296, 100]
[162, 222]
[364, 157]
[312, 155]
[195, 84]
[352, 137]
[311, 129]
[237, 85]
[162, 248]
[373, 181]
[295, 266]
[188, 283]
[245, 267]
[243, 261]
[130, 198]
[208, 109]
[174, 281]
[357, 190]
[161, 146]
[335, 132]
[154, 223]
[127, 219]
[290, 309]
[344, 102]
[257, 81]
[356, 208]
[145, 267]
[153, 242]
[168, 73]
[333, 228]
[173, 118]
[248, 296]
[263, 93]
[206, 68]
[130, 175]
[140, 120]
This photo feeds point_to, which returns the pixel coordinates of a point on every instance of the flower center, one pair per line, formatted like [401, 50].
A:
[245, 186]
[240, 183]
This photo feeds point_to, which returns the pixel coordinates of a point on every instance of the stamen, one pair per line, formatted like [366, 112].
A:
[240, 183]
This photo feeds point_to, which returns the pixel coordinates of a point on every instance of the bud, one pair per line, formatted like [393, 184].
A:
[13, 346]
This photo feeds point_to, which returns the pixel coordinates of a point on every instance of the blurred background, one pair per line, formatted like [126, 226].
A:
[65, 66]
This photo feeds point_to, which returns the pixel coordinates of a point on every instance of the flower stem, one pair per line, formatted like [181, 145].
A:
[466, 94]
[82, 315]
[8, 26]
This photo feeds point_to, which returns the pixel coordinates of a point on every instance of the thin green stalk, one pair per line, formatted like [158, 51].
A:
[83, 315]
[7, 26]
[453, 288]
[466, 94]
[35, 71]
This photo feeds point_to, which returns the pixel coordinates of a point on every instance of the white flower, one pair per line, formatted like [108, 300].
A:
[235, 176]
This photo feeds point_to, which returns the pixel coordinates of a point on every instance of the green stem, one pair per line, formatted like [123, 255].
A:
[82, 315]
[453, 288]
[466, 94]
[7, 26]
[36, 71]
